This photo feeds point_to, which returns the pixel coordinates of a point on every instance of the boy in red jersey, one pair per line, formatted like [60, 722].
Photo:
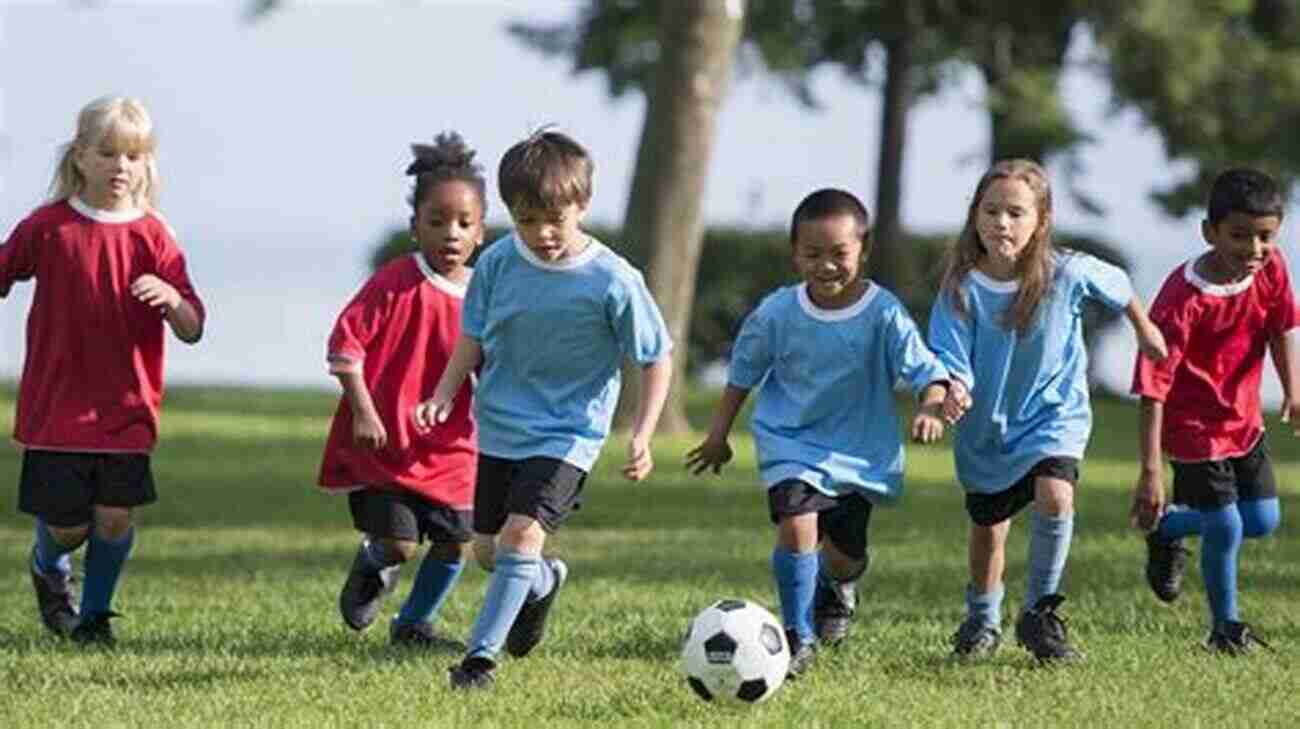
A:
[1219, 313]
[108, 274]
[391, 344]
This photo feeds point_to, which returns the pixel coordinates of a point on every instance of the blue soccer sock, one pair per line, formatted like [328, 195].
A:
[796, 583]
[104, 560]
[987, 606]
[544, 583]
[1219, 547]
[1049, 546]
[515, 573]
[1259, 517]
[1180, 522]
[433, 583]
[49, 555]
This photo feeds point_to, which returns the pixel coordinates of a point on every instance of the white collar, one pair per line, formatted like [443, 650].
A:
[812, 309]
[105, 216]
[591, 251]
[438, 280]
[1195, 279]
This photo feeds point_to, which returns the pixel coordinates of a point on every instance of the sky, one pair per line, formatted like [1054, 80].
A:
[282, 145]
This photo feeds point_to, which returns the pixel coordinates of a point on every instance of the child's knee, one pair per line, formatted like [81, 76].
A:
[69, 537]
[522, 534]
[1259, 518]
[449, 551]
[400, 550]
[112, 523]
[797, 532]
[1053, 497]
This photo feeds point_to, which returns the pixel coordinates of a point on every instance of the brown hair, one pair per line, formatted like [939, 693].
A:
[449, 158]
[546, 171]
[1034, 267]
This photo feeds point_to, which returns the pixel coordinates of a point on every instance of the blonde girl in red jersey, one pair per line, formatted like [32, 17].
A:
[110, 278]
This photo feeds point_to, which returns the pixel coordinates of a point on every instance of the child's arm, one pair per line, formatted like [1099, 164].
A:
[655, 379]
[927, 425]
[466, 355]
[1283, 351]
[715, 452]
[367, 429]
[1149, 496]
[179, 313]
[1149, 338]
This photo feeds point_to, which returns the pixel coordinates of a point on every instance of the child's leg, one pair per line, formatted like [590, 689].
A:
[988, 557]
[439, 573]
[1259, 517]
[1051, 526]
[1220, 544]
[794, 565]
[518, 570]
[844, 559]
[110, 544]
[54, 545]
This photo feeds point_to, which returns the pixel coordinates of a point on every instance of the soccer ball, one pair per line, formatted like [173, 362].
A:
[735, 651]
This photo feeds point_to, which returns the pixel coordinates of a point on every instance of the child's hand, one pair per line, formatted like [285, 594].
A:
[155, 292]
[1148, 501]
[956, 403]
[368, 432]
[927, 426]
[709, 454]
[432, 412]
[1291, 414]
[640, 461]
[1152, 342]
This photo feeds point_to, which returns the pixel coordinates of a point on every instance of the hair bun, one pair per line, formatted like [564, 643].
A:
[448, 151]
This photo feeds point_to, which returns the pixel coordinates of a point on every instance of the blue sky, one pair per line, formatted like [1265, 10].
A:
[282, 145]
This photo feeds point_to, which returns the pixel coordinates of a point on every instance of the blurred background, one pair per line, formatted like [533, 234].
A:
[284, 130]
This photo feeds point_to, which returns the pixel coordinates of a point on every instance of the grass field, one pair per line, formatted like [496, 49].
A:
[230, 619]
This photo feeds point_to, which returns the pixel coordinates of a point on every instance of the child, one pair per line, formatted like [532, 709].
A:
[1200, 405]
[1008, 326]
[825, 355]
[108, 274]
[550, 314]
[390, 344]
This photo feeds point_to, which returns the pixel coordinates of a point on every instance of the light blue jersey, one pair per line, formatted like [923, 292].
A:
[825, 409]
[1030, 390]
[554, 336]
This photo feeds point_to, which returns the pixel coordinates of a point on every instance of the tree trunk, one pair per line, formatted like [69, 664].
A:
[890, 264]
[697, 44]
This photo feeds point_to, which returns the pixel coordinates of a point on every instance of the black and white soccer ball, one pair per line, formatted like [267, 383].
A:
[735, 651]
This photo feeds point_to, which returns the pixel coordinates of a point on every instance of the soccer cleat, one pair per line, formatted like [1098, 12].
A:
[1234, 639]
[364, 591]
[833, 609]
[530, 625]
[1166, 560]
[975, 639]
[421, 635]
[802, 654]
[1042, 632]
[473, 673]
[94, 629]
[54, 599]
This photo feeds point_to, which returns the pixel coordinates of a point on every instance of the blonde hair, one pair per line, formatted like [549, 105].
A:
[122, 124]
[1034, 267]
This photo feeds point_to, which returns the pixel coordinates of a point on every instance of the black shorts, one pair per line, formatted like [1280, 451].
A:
[841, 519]
[990, 509]
[1209, 485]
[546, 489]
[403, 515]
[63, 487]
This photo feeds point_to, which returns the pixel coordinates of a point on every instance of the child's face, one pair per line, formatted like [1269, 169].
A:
[552, 235]
[828, 256]
[1007, 218]
[112, 175]
[448, 226]
[1241, 242]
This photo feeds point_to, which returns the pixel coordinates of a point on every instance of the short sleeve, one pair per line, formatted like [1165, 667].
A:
[171, 268]
[18, 256]
[952, 339]
[909, 358]
[1102, 282]
[358, 324]
[751, 354]
[639, 325]
[474, 309]
[1282, 314]
[1172, 314]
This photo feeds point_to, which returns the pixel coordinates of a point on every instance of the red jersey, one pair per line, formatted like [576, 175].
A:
[92, 378]
[1217, 336]
[399, 331]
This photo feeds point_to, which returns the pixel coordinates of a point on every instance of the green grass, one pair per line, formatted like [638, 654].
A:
[230, 603]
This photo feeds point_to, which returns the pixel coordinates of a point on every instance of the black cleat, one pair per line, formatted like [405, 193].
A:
[1234, 639]
[1042, 632]
[802, 654]
[975, 639]
[364, 591]
[1166, 560]
[530, 625]
[422, 636]
[54, 599]
[833, 609]
[94, 629]
[473, 673]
